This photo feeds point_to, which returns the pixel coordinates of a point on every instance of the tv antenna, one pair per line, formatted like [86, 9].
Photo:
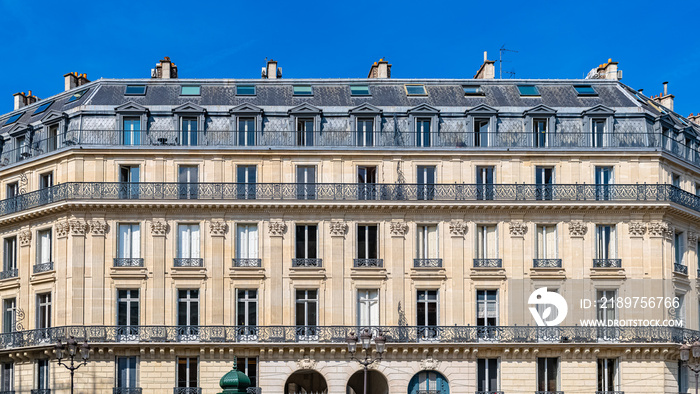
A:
[500, 61]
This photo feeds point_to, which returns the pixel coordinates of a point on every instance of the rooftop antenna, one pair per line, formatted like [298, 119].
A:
[500, 61]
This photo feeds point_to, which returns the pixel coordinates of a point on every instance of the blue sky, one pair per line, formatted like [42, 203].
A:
[653, 42]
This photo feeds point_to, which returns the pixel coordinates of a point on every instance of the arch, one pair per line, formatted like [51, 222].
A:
[428, 381]
[376, 383]
[306, 381]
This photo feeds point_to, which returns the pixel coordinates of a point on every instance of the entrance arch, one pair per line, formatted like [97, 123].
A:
[376, 383]
[306, 382]
[430, 381]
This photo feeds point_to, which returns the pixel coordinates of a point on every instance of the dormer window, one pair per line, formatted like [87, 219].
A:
[415, 90]
[303, 90]
[77, 96]
[135, 90]
[528, 90]
[14, 118]
[245, 90]
[43, 107]
[359, 90]
[585, 90]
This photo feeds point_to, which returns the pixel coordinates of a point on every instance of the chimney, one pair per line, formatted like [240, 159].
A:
[20, 100]
[271, 71]
[165, 69]
[664, 98]
[31, 99]
[694, 118]
[71, 81]
[487, 69]
[380, 69]
[82, 79]
[606, 71]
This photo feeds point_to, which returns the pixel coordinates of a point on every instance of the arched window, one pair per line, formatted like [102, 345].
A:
[428, 382]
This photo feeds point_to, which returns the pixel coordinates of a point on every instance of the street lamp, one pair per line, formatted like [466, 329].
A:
[72, 348]
[693, 363]
[365, 340]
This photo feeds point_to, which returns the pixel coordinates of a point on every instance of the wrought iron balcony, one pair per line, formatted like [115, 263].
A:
[609, 392]
[488, 263]
[188, 262]
[549, 392]
[7, 274]
[427, 263]
[546, 263]
[187, 390]
[41, 391]
[607, 263]
[489, 392]
[317, 263]
[247, 262]
[43, 267]
[128, 262]
[124, 390]
[680, 268]
[369, 263]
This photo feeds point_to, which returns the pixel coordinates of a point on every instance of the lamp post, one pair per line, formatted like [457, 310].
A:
[365, 340]
[690, 355]
[72, 348]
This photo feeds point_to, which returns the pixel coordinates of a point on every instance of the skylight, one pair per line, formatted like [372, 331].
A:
[473, 91]
[303, 90]
[43, 107]
[135, 90]
[245, 90]
[585, 90]
[359, 90]
[14, 118]
[77, 96]
[528, 90]
[415, 90]
[190, 90]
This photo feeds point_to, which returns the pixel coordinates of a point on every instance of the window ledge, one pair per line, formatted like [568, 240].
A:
[547, 272]
[9, 283]
[368, 273]
[307, 273]
[43, 277]
[246, 272]
[608, 273]
[188, 272]
[129, 272]
[428, 273]
[488, 272]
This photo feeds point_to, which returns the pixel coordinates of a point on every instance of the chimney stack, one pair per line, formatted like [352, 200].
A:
[20, 100]
[606, 71]
[664, 98]
[487, 69]
[694, 118]
[165, 69]
[380, 69]
[271, 71]
[31, 99]
[73, 80]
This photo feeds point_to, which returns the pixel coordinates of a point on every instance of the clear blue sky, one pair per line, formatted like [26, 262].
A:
[653, 41]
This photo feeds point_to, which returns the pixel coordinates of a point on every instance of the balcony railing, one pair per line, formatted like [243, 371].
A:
[100, 191]
[549, 392]
[609, 392]
[429, 392]
[128, 262]
[427, 263]
[7, 274]
[188, 262]
[187, 390]
[489, 392]
[607, 263]
[43, 267]
[488, 263]
[7, 391]
[318, 263]
[247, 262]
[369, 263]
[680, 268]
[41, 391]
[546, 263]
[254, 390]
[124, 390]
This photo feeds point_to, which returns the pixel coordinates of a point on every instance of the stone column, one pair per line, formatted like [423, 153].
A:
[276, 310]
[217, 232]
[337, 266]
[159, 228]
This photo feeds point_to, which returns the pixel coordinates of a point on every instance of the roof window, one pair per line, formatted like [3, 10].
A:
[14, 118]
[528, 90]
[415, 90]
[585, 90]
[303, 90]
[135, 90]
[473, 91]
[43, 107]
[77, 96]
[245, 90]
[359, 90]
[189, 90]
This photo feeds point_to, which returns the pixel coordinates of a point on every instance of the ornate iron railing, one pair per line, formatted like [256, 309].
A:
[491, 263]
[428, 392]
[7, 274]
[609, 392]
[427, 263]
[247, 262]
[680, 268]
[346, 192]
[187, 390]
[546, 263]
[41, 391]
[489, 392]
[7, 391]
[549, 392]
[125, 390]
[43, 267]
[254, 390]
[128, 262]
[370, 263]
[307, 263]
[607, 263]
[188, 262]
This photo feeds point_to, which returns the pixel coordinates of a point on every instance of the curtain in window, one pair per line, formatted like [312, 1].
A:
[487, 242]
[427, 242]
[129, 241]
[45, 247]
[189, 241]
[247, 241]
[547, 242]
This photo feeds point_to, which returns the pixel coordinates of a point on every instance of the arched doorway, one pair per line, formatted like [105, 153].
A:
[376, 383]
[306, 382]
[428, 381]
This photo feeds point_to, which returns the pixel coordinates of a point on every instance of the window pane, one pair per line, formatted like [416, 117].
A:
[304, 90]
[473, 90]
[43, 107]
[189, 91]
[135, 90]
[245, 90]
[528, 90]
[415, 90]
[585, 90]
[359, 90]
[14, 118]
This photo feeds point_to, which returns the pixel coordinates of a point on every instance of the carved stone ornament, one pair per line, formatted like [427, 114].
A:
[429, 363]
[577, 229]
[78, 227]
[98, 227]
[458, 228]
[517, 229]
[398, 229]
[692, 239]
[637, 229]
[277, 228]
[306, 363]
[218, 228]
[661, 229]
[25, 237]
[159, 228]
[62, 229]
[338, 228]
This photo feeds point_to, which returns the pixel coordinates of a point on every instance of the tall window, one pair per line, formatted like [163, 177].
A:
[306, 241]
[128, 307]
[682, 377]
[7, 377]
[680, 311]
[188, 177]
[423, 132]
[127, 372]
[605, 305]
[547, 374]
[246, 177]
[129, 241]
[305, 132]
[247, 307]
[487, 374]
[608, 380]
[367, 242]
[484, 183]
[368, 307]
[306, 313]
[246, 131]
[131, 132]
[678, 247]
[52, 142]
[22, 148]
[427, 313]
[129, 176]
[605, 242]
[42, 375]
[604, 181]
[427, 241]
[12, 190]
[188, 241]
[546, 241]
[9, 262]
[367, 182]
[306, 182]
[187, 372]
[246, 241]
[544, 177]
[539, 130]
[481, 132]
[45, 188]
[9, 315]
[486, 242]
[249, 366]
[365, 132]
[425, 179]
[599, 133]
[188, 131]
[487, 308]
[188, 313]
[43, 310]
[43, 252]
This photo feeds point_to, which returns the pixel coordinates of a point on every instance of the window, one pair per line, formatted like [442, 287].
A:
[697, 189]
[481, 132]
[131, 130]
[544, 177]
[187, 372]
[188, 241]
[128, 307]
[188, 314]
[608, 375]
[415, 90]
[539, 131]
[585, 90]
[487, 308]
[12, 190]
[126, 372]
[77, 96]
[486, 242]
[678, 247]
[43, 250]
[247, 241]
[303, 90]
[13, 118]
[135, 90]
[7, 377]
[546, 241]
[9, 262]
[247, 308]
[605, 306]
[246, 178]
[22, 148]
[484, 182]
[190, 90]
[682, 377]
[425, 179]
[599, 133]
[680, 311]
[423, 132]
[129, 177]
[43, 107]
[246, 131]
[9, 315]
[605, 242]
[473, 90]
[427, 241]
[129, 241]
[487, 374]
[188, 179]
[188, 131]
[306, 313]
[45, 185]
[367, 182]
[306, 182]
[52, 142]
[528, 90]
[603, 181]
[359, 90]
[245, 90]
[368, 308]
[367, 242]
[305, 132]
[42, 375]
[249, 366]
[43, 310]
[547, 374]
[676, 180]
[365, 132]
[427, 313]
[306, 245]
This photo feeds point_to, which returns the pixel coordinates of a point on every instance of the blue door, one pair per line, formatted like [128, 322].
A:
[428, 382]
